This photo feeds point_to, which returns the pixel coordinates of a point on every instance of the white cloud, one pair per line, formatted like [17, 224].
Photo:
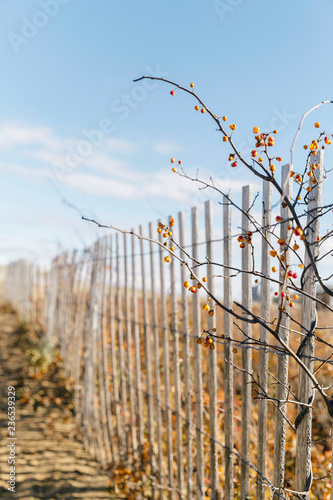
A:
[101, 186]
[18, 135]
[120, 146]
[170, 148]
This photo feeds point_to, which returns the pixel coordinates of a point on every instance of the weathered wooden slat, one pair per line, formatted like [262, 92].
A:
[166, 368]
[119, 437]
[196, 313]
[136, 337]
[156, 356]
[212, 372]
[120, 332]
[176, 374]
[147, 343]
[265, 304]
[303, 467]
[282, 361]
[129, 360]
[228, 355]
[187, 367]
[246, 352]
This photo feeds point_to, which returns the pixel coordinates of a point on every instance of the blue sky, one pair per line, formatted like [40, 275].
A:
[67, 71]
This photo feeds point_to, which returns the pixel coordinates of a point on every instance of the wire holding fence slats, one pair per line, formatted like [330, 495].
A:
[147, 395]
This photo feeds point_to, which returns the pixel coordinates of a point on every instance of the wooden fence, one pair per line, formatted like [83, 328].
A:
[147, 395]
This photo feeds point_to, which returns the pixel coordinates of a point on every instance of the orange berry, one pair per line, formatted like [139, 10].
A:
[206, 307]
[204, 279]
[242, 245]
[203, 110]
[234, 350]
[273, 253]
[186, 284]
[165, 235]
[212, 346]
[172, 160]
[224, 118]
[292, 173]
[260, 159]
[225, 138]
[172, 249]
[291, 304]
[278, 158]
[317, 125]
[281, 241]
[193, 289]
[211, 313]
[275, 131]
[196, 108]
[233, 126]
[192, 85]
[199, 341]
[295, 247]
[167, 259]
[274, 269]
[256, 130]
[295, 297]
[159, 230]
[174, 170]
[305, 146]
[301, 266]
[272, 168]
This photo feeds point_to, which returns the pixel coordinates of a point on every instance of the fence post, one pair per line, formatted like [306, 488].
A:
[282, 360]
[265, 301]
[303, 468]
[246, 352]
[228, 354]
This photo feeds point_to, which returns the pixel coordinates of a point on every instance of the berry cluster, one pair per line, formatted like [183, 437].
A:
[194, 288]
[174, 169]
[313, 148]
[166, 232]
[246, 238]
[206, 340]
[288, 298]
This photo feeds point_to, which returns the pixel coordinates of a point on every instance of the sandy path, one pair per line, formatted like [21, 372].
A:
[50, 463]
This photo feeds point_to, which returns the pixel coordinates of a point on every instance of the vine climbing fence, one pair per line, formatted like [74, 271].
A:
[191, 422]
